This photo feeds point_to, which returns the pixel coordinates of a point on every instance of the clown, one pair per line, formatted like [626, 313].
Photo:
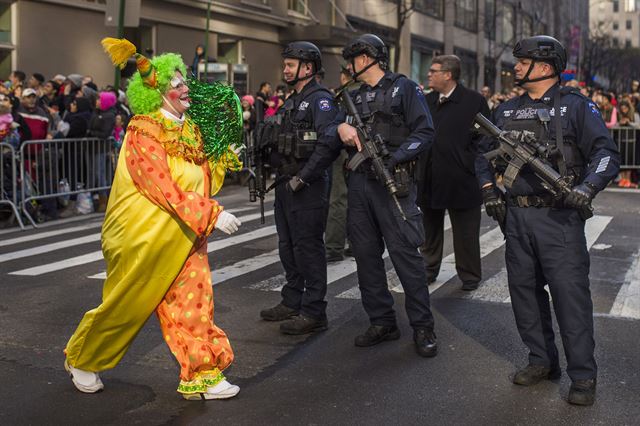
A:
[154, 236]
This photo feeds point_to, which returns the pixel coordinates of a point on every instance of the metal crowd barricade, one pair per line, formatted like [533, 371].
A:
[9, 182]
[53, 168]
[626, 138]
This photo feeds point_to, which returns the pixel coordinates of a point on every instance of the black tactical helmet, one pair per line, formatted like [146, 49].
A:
[542, 48]
[305, 52]
[369, 44]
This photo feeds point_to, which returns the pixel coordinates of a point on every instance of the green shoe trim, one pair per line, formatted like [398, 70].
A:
[202, 381]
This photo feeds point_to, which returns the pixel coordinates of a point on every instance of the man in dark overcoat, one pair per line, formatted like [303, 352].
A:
[446, 173]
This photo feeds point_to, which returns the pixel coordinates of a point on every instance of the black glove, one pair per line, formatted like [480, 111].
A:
[494, 203]
[295, 184]
[580, 196]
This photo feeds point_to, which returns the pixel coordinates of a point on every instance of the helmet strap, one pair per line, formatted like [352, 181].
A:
[298, 78]
[355, 75]
[526, 78]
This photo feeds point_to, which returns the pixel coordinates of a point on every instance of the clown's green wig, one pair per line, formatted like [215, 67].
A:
[144, 99]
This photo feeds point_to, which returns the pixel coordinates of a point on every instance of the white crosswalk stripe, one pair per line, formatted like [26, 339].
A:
[45, 248]
[48, 234]
[73, 229]
[489, 242]
[627, 303]
[245, 266]
[335, 271]
[97, 255]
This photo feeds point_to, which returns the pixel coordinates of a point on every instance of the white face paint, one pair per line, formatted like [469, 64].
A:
[177, 82]
[176, 98]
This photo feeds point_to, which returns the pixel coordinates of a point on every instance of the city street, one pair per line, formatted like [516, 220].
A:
[50, 276]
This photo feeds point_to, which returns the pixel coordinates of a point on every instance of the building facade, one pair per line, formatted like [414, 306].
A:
[246, 36]
[619, 19]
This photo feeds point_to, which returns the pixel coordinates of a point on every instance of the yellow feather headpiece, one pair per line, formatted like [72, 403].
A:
[120, 50]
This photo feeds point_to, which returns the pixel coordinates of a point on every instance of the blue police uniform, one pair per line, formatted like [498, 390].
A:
[300, 216]
[545, 241]
[397, 110]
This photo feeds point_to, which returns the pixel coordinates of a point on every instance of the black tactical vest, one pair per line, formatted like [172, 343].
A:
[298, 136]
[536, 117]
[382, 109]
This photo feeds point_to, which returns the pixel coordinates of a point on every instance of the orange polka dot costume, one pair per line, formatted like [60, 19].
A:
[154, 241]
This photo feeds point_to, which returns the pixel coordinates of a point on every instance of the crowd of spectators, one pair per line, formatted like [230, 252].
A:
[62, 107]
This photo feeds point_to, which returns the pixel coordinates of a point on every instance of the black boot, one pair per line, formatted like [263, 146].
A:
[470, 285]
[582, 392]
[376, 334]
[533, 373]
[303, 324]
[334, 257]
[278, 313]
[426, 344]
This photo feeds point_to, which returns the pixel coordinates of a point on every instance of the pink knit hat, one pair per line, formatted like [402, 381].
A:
[249, 99]
[107, 100]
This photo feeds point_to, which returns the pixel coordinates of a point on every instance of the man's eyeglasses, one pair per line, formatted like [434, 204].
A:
[432, 71]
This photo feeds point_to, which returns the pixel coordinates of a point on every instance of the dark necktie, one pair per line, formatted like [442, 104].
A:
[442, 100]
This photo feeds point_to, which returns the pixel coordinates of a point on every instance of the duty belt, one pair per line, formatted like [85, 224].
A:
[367, 169]
[533, 201]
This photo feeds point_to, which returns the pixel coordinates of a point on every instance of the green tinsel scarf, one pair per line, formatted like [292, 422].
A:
[216, 109]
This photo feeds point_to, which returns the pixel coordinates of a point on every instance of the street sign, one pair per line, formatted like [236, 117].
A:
[131, 13]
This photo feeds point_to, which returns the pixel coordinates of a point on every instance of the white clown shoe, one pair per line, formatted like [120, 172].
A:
[84, 381]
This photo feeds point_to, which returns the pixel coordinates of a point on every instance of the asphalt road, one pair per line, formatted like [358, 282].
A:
[49, 277]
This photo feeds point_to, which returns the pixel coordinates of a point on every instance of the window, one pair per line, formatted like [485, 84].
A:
[5, 36]
[5, 23]
[508, 27]
[433, 8]
[468, 71]
[616, 6]
[615, 26]
[490, 19]
[628, 24]
[527, 26]
[627, 44]
[468, 67]
[300, 6]
[629, 5]
[615, 42]
[466, 14]
[420, 63]
[260, 4]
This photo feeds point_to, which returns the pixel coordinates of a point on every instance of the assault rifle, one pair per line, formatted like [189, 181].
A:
[373, 148]
[519, 148]
[258, 159]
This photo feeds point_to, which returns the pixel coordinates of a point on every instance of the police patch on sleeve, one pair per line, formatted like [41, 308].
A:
[594, 108]
[324, 104]
[419, 90]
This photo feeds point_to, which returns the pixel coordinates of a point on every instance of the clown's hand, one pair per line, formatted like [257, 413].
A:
[237, 149]
[227, 222]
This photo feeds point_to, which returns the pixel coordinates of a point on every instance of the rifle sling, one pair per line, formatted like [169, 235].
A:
[562, 165]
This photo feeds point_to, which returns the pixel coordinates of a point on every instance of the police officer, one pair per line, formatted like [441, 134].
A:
[396, 109]
[301, 199]
[545, 240]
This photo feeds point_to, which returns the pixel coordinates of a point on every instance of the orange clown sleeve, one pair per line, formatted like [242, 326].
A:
[147, 164]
